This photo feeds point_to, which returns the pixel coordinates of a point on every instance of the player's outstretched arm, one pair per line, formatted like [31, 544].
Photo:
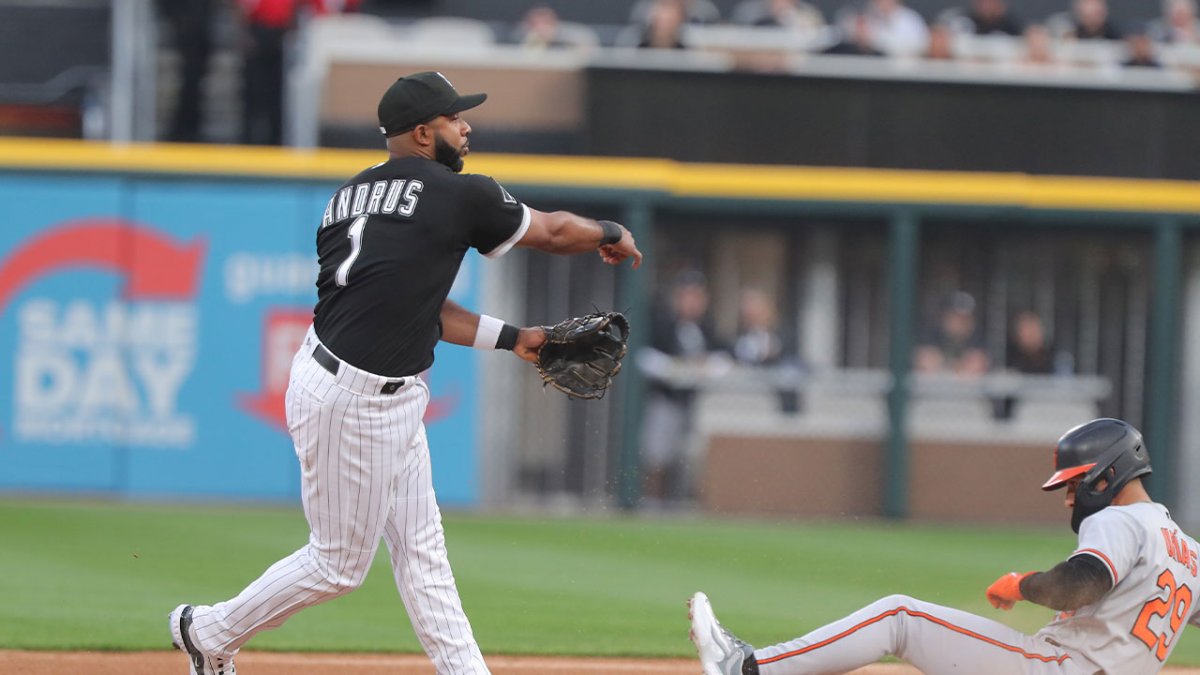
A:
[461, 326]
[564, 233]
[1069, 585]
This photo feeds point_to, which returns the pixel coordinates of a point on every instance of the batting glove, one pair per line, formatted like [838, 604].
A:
[1006, 591]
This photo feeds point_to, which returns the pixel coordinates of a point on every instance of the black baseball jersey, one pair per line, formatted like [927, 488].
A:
[389, 246]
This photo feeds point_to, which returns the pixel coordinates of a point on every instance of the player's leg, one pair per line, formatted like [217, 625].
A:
[346, 486]
[417, 545]
[937, 640]
[663, 432]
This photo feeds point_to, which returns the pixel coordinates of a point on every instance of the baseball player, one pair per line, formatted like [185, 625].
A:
[389, 244]
[1122, 597]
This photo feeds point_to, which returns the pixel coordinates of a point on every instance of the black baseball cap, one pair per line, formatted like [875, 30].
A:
[418, 98]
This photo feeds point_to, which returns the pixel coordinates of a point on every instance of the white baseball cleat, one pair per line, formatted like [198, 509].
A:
[181, 638]
[721, 652]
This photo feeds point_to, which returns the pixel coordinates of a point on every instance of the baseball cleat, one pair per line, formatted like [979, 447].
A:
[721, 652]
[181, 638]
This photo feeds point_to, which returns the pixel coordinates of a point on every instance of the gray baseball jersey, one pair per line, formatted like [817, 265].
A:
[1135, 626]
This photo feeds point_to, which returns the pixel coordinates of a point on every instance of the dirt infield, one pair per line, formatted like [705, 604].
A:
[263, 663]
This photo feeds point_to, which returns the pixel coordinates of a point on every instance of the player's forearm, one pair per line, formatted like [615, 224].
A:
[570, 233]
[459, 324]
[1069, 585]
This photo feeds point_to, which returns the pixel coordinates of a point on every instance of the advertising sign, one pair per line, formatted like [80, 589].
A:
[148, 326]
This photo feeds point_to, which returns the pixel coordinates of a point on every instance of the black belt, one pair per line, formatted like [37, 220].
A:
[328, 361]
[331, 363]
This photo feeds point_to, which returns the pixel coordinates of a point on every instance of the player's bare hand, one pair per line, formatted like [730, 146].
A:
[1006, 591]
[529, 341]
[614, 254]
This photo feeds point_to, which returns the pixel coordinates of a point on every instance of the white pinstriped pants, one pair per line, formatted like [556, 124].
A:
[365, 470]
[937, 640]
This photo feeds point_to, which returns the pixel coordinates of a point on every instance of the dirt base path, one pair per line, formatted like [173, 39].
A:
[265, 663]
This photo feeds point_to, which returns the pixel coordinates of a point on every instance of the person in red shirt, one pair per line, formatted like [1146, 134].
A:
[268, 25]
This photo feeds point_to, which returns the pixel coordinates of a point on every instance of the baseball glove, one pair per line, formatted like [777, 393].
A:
[582, 355]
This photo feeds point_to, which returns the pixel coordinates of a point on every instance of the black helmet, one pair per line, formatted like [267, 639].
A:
[1104, 449]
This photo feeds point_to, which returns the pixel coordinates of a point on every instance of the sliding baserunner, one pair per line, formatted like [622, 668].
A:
[1122, 597]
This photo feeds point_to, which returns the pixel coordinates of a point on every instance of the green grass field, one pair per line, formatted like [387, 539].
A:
[94, 575]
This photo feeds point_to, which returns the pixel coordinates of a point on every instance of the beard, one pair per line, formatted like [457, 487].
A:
[447, 154]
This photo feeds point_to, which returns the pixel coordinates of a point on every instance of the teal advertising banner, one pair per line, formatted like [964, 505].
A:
[147, 326]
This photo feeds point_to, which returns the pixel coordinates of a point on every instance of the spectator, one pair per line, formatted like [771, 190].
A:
[856, 37]
[1030, 352]
[542, 29]
[679, 338]
[953, 345]
[1178, 24]
[1089, 21]
[191, 31]
[941, 44]
[758, 342]
[794, 14]
[268, 26]
[539, 29]
[990, 17]
[897, 30]
[694, 11]
[759, 345]
[267, 23]
[1039, 47]
[1141, 52]
[664, 27]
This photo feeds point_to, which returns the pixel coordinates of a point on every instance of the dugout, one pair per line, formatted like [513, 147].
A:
[862, 273]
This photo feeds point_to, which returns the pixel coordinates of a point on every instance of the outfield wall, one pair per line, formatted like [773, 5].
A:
[150, 297]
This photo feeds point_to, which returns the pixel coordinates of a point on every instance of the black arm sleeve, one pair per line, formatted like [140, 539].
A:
[1071, 584]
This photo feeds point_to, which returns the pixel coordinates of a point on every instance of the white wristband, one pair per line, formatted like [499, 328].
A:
[488, 332]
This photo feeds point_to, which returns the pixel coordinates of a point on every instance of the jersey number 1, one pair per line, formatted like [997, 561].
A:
[356, 237]
[1176, 606]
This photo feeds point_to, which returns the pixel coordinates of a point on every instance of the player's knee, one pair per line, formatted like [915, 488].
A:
[896, 601]
[338, 584]
[338, 579]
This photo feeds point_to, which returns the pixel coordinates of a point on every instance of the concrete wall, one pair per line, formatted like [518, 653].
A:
[842, 477]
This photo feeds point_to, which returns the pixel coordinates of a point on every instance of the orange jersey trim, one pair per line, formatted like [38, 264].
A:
[918, 615]
[1112, 569]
